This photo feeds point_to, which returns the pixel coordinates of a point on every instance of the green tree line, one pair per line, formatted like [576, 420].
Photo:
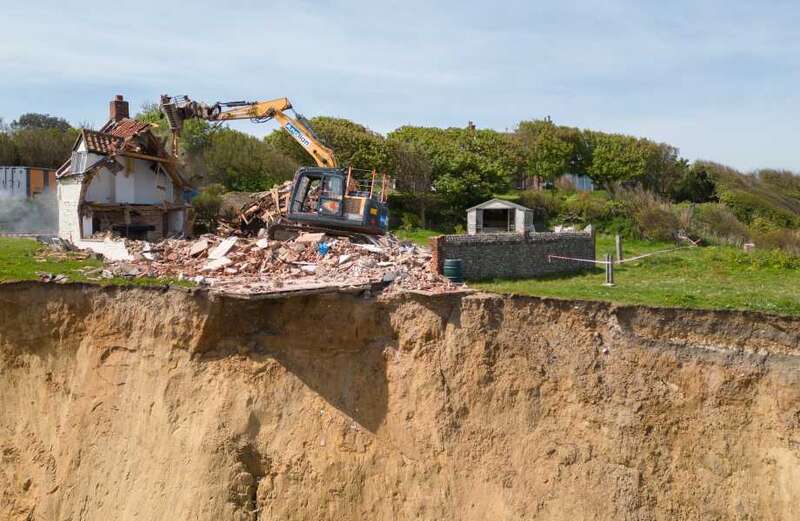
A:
[438, 171]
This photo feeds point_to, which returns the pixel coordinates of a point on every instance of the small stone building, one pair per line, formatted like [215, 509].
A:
[499, 216]
[120, 181]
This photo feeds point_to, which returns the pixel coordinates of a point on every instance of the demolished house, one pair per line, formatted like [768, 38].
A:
[120, 181]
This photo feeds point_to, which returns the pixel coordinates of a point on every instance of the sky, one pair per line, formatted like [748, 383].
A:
[717, 79]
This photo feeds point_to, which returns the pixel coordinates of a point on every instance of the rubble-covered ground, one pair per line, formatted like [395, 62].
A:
[311, 260]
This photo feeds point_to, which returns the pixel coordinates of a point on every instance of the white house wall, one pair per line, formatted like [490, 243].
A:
[151, 187]
[68, 195]
[102, 188]
[139, 185]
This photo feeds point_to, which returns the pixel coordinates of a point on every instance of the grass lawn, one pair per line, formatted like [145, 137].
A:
[21, 259]
[703, 277]
[418, 236]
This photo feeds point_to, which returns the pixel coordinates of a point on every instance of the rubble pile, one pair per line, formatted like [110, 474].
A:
[311, 260]
[263, 210]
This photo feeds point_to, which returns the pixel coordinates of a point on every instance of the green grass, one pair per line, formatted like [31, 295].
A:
[418, 236]
[704, 278]
[21, 259]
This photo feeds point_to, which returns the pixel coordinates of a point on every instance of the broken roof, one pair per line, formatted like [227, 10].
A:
[126, 137]
[100, 142]
[126, 128]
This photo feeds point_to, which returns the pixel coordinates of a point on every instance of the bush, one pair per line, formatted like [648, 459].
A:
[565, 184]
[768, 195]
[696, 186]
[584, 208]
[716, 224]
[545, 204]
[410, 221]
[656, 223]
[652, 218]
[207, 205]
[781, 239]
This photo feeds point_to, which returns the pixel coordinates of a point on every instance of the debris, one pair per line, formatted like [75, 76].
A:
[262, 265]
[264, 209]
[198, 247]
[222, 248]
[312, 238]
[147, 252]
[217, 264]
[370, 248]
[50, 277]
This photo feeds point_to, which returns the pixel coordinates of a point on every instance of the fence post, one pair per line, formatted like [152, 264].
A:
[609, 270]
[618, 243]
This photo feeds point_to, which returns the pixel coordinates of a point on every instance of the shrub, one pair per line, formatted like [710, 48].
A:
[545, 204]
[207, 205]
[780, 239]
[652, 217]
[565, 184]
[584, 208]
[410, 221]
[716, 224]
[696, 185]
[656, 223]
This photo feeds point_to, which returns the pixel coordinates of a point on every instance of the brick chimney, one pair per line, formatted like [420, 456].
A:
[118, 108]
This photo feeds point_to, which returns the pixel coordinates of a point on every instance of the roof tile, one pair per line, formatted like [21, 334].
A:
[127, 128]
[100, 142]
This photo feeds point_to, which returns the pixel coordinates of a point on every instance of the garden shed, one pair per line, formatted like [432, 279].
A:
[499, 216]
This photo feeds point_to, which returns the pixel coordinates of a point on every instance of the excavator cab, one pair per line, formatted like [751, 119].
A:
[324, 197]
[337, 199]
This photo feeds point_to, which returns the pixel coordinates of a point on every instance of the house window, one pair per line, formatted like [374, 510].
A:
[79, 162]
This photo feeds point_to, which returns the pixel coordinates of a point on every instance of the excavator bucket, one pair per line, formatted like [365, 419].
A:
[170, 111]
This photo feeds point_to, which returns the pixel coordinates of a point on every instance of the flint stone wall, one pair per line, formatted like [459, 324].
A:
[514, 255]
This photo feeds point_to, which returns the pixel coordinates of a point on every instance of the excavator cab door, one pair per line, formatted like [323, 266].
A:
[318, 193]
[332, 197]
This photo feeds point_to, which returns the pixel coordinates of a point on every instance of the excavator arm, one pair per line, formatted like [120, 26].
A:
[181, 108]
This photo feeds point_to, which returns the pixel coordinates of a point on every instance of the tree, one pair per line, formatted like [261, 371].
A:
[664, 167]
[551, 150]
[696, 186]
[414, 174]
[616, 158]
[32, 120]
[43, 147]
[243, 162]
[467, 165]
[8, 150]
[353, 144]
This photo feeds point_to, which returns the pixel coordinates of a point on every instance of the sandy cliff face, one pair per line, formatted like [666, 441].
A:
[162, 405]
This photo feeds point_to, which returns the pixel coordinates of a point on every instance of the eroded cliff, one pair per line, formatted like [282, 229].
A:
[162, 405]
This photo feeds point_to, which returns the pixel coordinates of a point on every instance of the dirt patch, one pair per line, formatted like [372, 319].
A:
[146, 404]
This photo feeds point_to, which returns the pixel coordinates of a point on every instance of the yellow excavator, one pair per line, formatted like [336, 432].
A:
[325, 197]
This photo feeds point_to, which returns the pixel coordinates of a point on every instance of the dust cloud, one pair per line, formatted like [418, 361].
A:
[19, 215]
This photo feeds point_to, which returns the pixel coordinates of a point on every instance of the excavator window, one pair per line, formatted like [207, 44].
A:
[319, 194]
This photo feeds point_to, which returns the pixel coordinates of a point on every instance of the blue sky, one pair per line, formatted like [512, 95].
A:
[717, 79]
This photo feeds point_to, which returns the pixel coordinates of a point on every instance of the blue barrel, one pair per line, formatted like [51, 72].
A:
[454, 270]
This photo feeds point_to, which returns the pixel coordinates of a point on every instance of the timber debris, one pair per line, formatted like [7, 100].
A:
[263, 210]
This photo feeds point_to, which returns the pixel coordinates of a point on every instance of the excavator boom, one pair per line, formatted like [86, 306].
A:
[181, 108]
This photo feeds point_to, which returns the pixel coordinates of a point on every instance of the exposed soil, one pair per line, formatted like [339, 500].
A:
[130, 403]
